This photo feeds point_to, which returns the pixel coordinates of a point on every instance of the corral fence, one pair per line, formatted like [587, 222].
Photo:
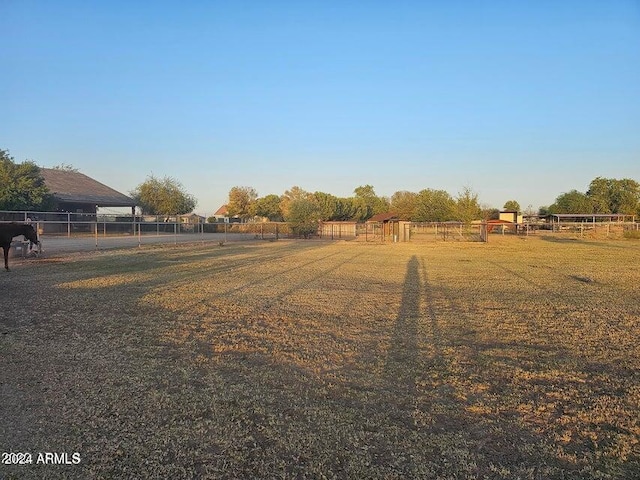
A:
[61, 224]
[78, 225]
[399, 231]
[82, 224]
[448, 232]
[594, 225]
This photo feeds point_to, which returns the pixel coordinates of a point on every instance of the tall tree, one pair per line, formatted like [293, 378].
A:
[303, 215]
[434, 206]
[512, 205]
[295, 193]
[241, 200]
[609, 195]
[367, 203]
[268, 207]
[571, 202]
[327, 206]
[345, 209]
[404, 204]
[163, 196]
[21, 185]
[467, 206]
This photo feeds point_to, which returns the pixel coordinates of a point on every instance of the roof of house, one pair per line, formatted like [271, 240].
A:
[383, 217]
[223, 210]
[68, 186]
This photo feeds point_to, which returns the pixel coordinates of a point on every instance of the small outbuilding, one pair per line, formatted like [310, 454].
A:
[512, 216]
[389, 226]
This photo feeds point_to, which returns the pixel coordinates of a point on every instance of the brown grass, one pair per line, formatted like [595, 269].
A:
[513, 359]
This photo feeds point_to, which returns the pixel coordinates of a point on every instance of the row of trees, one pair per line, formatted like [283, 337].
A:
[604, 195]
[22, 188]
[428, 205]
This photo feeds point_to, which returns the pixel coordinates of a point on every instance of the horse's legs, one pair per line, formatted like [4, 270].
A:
[6, 257]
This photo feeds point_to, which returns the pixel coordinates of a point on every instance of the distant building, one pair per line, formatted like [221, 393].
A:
[222, 215]
[512, 216]
[192, 219]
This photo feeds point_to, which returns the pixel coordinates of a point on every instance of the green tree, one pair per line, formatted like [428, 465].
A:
[404, 204]
[269, 207]
[163, 196]
[241, 202]
[434, 206]
[295, 193]
[366, 203]
[345, 209]
[328, 206]
[490, 213]
[571, 202]
[511, 205]
[303, 215]
[609, 195]
[21, 185]
[467, 206]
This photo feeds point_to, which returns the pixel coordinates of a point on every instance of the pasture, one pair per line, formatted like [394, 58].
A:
[307, 359]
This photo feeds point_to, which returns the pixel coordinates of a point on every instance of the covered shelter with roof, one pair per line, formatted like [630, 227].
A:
[75, 192]
[389, 226]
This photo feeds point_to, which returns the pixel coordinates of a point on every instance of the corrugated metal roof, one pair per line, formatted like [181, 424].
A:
[76, 187]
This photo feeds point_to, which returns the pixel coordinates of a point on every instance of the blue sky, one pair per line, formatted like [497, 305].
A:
[518, 100]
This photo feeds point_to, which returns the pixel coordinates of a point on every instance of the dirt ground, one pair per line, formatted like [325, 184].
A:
[308, 359]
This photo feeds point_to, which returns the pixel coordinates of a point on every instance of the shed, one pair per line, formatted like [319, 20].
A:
[389, 223]
[512, 216]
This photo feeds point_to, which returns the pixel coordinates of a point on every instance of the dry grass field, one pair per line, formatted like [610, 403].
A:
[516, 359]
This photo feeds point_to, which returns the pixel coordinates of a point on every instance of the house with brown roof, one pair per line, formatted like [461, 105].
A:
[222, 215]
[77, 193]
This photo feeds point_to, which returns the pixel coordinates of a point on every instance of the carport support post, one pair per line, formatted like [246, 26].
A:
[96, 227]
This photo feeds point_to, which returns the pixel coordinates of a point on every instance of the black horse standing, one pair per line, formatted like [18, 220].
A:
[10, 230]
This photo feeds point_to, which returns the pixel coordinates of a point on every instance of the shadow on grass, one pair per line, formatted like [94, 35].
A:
[221, 400]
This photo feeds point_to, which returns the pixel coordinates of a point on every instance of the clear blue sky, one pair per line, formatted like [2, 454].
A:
[516, 99]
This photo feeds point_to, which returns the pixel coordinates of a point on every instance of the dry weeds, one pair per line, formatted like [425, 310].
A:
[327, 360]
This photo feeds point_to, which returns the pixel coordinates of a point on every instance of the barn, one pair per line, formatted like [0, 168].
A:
[77, 193]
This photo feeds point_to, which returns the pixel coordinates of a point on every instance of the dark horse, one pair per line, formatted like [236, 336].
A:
[10, 230]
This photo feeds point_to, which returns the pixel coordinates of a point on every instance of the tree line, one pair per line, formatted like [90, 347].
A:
[427, 205]
[22, 187]
[604, 195]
